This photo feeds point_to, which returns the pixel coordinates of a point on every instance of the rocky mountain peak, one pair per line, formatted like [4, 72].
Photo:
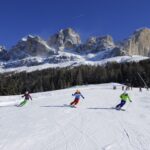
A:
[96, 44]
[3, 53]
[31, 38]
[2, 48]
[103, 42]
[141, 31]
[138, 43]
[64, 39]
[30, 46]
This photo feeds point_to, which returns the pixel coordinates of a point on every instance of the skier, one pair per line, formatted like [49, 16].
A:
[124, 97]
[140, 89]
[147, 88]
[114, 87]
[26, 98]
[77, 95]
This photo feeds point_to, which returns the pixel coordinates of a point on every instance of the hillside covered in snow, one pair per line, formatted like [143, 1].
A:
[47, 123]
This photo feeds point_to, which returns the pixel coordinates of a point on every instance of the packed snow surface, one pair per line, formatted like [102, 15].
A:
[47, 123]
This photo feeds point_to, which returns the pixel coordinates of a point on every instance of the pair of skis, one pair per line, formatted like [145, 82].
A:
[119, 108]
[72, 106]
[22, 103]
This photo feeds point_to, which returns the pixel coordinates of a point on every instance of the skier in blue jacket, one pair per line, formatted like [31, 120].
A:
[77, 95]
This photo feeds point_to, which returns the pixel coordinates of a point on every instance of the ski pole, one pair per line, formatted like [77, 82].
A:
[128, 106]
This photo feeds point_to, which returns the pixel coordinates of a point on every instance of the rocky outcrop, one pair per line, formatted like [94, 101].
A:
[30, 46]
[4, 56]
[138, 43]
[97, 44]
[64, 39]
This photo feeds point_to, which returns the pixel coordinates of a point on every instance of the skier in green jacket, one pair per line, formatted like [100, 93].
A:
[124, 98]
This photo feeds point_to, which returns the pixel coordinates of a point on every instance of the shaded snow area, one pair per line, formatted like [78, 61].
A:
[47, 123]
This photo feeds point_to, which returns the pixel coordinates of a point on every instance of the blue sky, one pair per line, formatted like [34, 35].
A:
[118, 18]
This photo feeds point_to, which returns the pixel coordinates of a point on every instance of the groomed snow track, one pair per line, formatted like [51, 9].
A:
[47, 123]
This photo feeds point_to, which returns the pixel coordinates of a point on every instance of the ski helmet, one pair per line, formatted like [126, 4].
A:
[26, 92]
[77, 91]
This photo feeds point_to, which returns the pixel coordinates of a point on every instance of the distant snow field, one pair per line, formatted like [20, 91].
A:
[90, 59]
[46, 123]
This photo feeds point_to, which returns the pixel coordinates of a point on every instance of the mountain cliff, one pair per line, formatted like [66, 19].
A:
[97, 44]
[138, 43]
[4, 56]
[64, 39]
[30, 46]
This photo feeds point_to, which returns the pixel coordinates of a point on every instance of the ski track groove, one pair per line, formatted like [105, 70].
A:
[77, 116]
[85, 134]
[116, 142]
[126, 132]
[128, 137]
[81, 127]
[63, 133]
[139, 141]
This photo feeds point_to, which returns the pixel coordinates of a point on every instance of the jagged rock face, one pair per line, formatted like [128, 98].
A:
[65, 39]
[4, 56]
[30, 46]
[138, 43]
[117, 51]
[96, 44]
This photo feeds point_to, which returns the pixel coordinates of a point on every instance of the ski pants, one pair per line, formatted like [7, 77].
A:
[122, 103]
[23, 102]
[75, 102]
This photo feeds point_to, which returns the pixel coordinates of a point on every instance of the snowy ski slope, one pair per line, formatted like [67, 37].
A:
[47, 124]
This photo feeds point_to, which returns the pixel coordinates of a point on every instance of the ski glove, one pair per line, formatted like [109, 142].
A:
[83, 97]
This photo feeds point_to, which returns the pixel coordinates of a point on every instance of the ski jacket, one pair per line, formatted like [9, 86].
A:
[78, 95]
[125, 97]
[27, 96]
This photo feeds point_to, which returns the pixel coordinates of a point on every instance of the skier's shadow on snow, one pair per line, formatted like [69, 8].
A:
[103, 108]
[56, 106]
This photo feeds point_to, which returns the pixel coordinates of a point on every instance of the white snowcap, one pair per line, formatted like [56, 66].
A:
[26, 37]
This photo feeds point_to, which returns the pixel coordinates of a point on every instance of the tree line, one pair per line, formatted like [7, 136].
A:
[59, 78]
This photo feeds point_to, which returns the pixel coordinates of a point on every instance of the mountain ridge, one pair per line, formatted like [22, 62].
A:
[66, 46]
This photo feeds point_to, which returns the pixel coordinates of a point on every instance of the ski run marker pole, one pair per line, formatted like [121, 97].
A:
[142, 80]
